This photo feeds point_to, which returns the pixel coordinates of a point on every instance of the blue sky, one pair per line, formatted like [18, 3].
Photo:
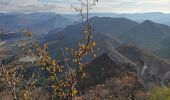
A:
[104, 6]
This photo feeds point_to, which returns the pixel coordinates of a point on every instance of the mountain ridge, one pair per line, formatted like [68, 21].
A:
[147, 34]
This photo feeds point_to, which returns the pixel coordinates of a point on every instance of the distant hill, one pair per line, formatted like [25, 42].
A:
[12, 36]
[15, 36]
[147, 34]
[56, 21]
[106, 25]
[158, 17]
[37, 22]
[113, 26]
[51, 35]
[106, 29]
[108, 42]
[163, 49]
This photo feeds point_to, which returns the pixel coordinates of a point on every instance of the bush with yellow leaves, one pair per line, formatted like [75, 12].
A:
[62, 77]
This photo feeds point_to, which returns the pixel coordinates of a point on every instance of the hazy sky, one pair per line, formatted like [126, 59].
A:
[106, 6]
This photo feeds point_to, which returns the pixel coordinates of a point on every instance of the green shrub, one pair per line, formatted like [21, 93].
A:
[160, 93]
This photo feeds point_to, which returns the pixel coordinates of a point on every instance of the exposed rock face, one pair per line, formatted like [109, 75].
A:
[156, 70]
[152, 69]
[28, 59]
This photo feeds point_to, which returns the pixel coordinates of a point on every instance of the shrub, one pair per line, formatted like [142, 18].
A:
[160, 93]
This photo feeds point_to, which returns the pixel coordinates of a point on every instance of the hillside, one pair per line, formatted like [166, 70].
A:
[163, 49]
[126, 86]
[149, 68]
[37, 22]
[107, 43]
[132, 52]
[105, 28]
[56, 21]
[158, 17]
[147, 34]
[104, 67]
[112, 26]
[51, 35]
[152, 69]
[106, 25]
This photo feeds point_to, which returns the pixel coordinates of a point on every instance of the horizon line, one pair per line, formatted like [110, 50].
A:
[90, 13]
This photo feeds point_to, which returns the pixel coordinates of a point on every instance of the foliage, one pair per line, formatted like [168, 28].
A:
[63, 77]
[127, 86]
[160, 93]
[15, 83]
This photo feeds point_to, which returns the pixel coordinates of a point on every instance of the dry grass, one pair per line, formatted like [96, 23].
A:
[125, 87]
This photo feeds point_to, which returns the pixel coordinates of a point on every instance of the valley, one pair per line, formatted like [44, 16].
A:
[125, 49]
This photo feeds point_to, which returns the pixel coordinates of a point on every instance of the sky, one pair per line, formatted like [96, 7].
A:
[103, 6]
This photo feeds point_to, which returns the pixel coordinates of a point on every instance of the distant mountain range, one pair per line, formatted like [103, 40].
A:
[148, 31]
[103, 25]
[46, 21]
[158, 17]
[149, 35]
[112, 26]
[113, 31]
[36, 22]
[105, 28]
